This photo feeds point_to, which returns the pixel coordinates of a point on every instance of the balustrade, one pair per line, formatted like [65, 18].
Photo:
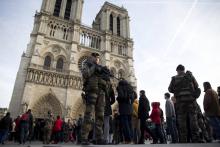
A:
[90, 38]
[53, 79]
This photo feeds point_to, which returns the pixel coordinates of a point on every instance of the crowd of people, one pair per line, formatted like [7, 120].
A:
[132, 120]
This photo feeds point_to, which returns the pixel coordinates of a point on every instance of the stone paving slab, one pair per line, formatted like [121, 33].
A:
[124, 145]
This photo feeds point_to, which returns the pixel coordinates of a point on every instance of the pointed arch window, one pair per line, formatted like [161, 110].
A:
[118, 26]
[120, 49]
[47, 62]
[68, 9]
[59, 66]
[111, 23]
[57, 7]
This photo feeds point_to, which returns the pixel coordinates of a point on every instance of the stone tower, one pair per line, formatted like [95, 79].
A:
[49, 77]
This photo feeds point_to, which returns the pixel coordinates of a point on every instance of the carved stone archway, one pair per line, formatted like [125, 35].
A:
[47, 103]
[79, 108]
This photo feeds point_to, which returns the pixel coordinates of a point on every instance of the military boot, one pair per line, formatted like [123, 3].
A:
[100, 142]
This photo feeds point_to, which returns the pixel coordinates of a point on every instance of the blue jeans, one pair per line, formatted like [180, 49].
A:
[3, 135]
[106, 128]
[127, 127]
[23, 132]
[171, 126]
[215, 124]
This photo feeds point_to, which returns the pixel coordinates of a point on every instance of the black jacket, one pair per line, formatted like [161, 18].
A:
[125, 102]
[109, 99]
[143, 108]
[6, 123]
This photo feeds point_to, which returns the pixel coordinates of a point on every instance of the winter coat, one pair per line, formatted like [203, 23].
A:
[125, 105]
[143, 108]
[58, 125]
[210, 103]
[109, 99]
[125, 108]
[161, 115]
[169, 109]
[156, 113]
[135, 108]
[6, 123]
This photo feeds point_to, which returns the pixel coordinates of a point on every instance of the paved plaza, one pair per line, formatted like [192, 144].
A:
[39, 144]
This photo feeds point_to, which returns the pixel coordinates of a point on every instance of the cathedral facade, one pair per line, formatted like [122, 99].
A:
[49, 77]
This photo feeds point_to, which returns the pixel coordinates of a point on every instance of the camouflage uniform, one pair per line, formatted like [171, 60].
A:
[201, 122]
[47, 130]
[185, 105]
[95, 101]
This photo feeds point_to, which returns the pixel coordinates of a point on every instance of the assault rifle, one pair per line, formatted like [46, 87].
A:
[104, 72]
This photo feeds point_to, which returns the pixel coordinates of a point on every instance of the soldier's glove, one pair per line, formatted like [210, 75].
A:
[98, 68]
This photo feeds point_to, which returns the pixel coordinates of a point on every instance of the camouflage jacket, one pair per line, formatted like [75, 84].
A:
[183, 84]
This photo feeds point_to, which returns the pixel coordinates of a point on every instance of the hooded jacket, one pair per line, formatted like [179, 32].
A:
[155, 113]
[58, 125]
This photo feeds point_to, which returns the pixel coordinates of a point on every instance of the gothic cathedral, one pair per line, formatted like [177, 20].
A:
[49, 77]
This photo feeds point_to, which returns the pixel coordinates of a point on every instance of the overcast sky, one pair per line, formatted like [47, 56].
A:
[165, 33]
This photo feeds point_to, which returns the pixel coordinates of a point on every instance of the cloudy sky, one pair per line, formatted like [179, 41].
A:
[165, 32]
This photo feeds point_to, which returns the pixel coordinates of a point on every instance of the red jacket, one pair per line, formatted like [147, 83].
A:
[57, 125]
[155, 114]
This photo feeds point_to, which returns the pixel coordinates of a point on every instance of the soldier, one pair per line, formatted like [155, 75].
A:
[183, 85]
[48, 128]
[94, 88]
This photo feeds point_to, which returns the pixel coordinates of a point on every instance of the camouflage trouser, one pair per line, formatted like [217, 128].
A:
[47, 135]
[204, 132]
[187, 110]
[95, 104]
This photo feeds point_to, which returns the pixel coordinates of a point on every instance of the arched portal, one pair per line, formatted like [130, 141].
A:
[79, 108]
[47, 103]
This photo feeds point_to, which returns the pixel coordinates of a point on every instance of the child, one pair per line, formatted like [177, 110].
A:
[155, 117]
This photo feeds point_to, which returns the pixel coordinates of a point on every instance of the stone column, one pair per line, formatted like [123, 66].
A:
[114, 23]
[79, 10]
[104, 21]
[50, 6]
[17, 95]
[107, 20]
[43, 6]
[128, 26]
[73, 10]
[121, 27]
[63, 8]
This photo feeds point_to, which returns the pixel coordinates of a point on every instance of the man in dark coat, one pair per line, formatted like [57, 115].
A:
[212, 108]
[125, 101]
[109, 100]
[5, 126]
[30, 125]
[143, 115]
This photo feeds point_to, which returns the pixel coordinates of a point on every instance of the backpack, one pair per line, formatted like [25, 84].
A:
[125, 92]
[186, 84]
